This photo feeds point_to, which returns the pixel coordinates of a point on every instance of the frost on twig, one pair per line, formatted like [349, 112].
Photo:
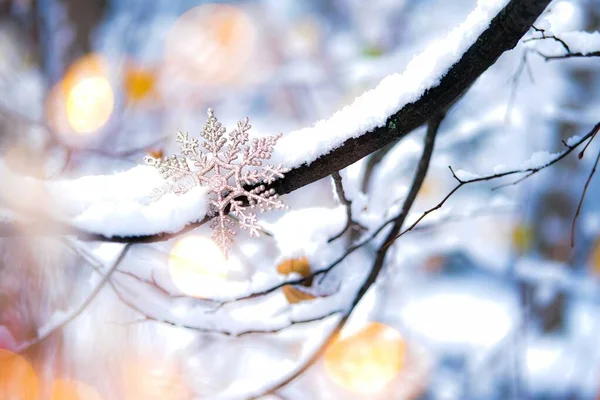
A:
[217, 169]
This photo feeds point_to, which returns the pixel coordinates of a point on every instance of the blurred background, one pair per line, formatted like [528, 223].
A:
[487, 300]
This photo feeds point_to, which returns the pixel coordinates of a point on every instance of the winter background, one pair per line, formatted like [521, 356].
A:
[485, 299]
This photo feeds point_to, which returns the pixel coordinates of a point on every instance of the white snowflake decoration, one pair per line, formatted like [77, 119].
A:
[225, 178]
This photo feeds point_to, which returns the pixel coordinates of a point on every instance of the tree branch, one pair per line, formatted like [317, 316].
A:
[582, 198]
[350, 223]
[503, 33]
[378, 264]
[568, 54]
[527, 171]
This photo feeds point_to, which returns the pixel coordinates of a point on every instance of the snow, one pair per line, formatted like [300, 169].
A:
[372, 109]
[465, 175]
[572, 141]
[582, 42]
[537, 160]
[117, 204]
[561, 16]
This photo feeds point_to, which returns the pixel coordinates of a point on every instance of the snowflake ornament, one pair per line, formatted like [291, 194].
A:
[217, 169]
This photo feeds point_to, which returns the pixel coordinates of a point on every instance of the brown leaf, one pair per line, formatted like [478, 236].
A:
[300, 266]
[295, 295]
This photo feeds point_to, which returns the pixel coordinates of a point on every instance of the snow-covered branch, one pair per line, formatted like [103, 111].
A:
[113, 208]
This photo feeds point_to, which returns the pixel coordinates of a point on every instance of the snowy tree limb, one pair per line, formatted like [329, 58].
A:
[378, 264]
[469, 56]
[503, 33]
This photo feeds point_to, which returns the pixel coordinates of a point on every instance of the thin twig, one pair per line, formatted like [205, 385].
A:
[77, 312]
[569, 55]
[350, 223]
[585, 188]
[149, 318]
[528, 171]
[544, 36]
[515, 83]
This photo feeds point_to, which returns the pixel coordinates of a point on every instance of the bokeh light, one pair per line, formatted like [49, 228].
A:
[139, 83]
[367, 361]
[210, 44]
[66, 389]
[153, 380]
[90, 104]
[18, 380]
[522, 237]
[83, 101]
[198, 267]
[594, 257]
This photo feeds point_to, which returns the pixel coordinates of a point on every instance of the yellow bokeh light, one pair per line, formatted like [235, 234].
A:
[197, 266]
[90, 104]
[367, 361]
[211, 44]
[18, 380]
[139, 83]
[83, 101]
[64, 389]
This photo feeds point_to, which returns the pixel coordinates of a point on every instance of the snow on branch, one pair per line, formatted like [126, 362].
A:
[432, 81]
[576, 44]
[108, 205]
[543, 159]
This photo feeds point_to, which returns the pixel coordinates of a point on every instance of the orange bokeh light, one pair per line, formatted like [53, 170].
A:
[83, 101]
[367, 361]
[139, 83]
[64, 389]
[153, 380]
[18, 380]
[210, 44]
[197, 266]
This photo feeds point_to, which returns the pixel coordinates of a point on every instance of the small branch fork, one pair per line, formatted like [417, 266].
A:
[350, 223]
[527, 171]
[569, 53]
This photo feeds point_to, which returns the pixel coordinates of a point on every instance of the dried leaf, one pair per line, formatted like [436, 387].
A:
[300, 266]
[295, 295]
